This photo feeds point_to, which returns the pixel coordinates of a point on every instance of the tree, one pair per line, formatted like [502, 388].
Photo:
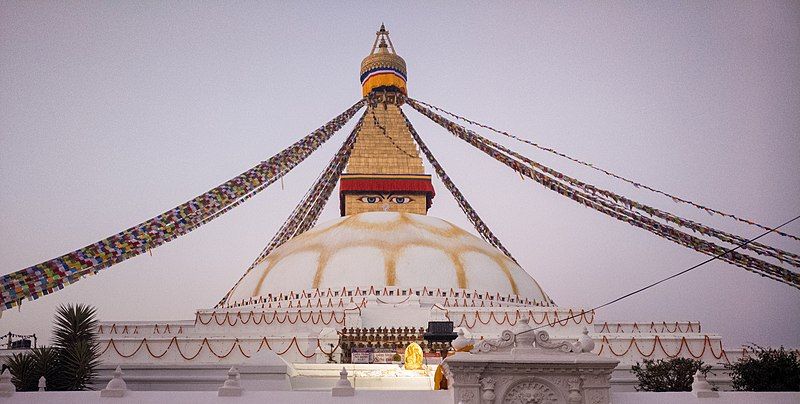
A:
[71, 363]
[668, 375]
[770, 370]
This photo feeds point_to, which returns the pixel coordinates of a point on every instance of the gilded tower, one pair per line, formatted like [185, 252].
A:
[385, 171]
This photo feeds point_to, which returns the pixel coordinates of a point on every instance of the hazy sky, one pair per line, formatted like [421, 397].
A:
[112, 112]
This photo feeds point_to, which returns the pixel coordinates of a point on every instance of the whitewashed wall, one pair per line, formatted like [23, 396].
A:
[384, 397]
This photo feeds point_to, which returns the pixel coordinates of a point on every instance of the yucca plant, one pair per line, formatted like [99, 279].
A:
[75, 337]
[23, 371]
[74, 323]
[71, 363]
[79, 363]
[48, 363]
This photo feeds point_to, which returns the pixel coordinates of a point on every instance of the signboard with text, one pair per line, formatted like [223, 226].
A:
[383, 355]
[361, 355]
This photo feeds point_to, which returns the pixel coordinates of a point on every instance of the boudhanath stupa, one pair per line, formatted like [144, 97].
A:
[374, 278]
[358, 290]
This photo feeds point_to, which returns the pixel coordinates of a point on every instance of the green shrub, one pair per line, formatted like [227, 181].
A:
[668, 375]
[75, 336]
[48, 363]
[769, 370]
[80, 365]
[71, 364]
[23, 371]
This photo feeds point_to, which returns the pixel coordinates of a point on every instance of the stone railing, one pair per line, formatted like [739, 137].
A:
[525, 366]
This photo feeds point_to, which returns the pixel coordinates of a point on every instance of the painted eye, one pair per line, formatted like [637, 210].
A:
[401, 200]
[370, 199]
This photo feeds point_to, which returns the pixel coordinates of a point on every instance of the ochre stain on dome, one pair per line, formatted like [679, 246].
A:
[390, 250]
[415, 239]
[502, 264]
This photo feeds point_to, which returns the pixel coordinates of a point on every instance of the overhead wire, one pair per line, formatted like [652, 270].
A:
[677, 274]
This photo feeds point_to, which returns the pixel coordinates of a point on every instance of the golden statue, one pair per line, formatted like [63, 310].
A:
[414, 357]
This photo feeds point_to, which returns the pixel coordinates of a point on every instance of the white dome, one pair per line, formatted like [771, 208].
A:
[387, 249]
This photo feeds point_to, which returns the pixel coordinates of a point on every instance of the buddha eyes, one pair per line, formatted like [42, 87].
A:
[400, 200]
[370, 199]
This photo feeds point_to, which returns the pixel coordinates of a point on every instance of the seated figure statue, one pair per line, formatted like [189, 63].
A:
[414, 357]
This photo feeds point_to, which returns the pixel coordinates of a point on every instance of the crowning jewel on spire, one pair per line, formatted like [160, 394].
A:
[383, 68]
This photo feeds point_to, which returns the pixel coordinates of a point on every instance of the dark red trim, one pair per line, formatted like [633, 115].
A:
[347, 185]
[387, 185]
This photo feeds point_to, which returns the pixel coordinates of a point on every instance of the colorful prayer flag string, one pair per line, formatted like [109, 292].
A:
[611, 174]
[761, 249]
[52, 275]
[466, 207]
[307, 212]
[589, 197]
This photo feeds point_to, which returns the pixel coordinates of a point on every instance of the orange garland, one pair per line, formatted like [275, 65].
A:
[298, 317]
[653, 325]
[206, 343]
[126, 329]
[583, 316]
[657, 342]
[634, 343]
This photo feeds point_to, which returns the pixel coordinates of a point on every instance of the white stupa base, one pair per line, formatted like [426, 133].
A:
[289, 348]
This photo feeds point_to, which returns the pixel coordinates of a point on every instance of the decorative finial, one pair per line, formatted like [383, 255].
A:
[382, 41]
[6, 387]
[116, 387]
[585, 342]
[343, 388]
[701, 388]
[231, 387]
[462, 342]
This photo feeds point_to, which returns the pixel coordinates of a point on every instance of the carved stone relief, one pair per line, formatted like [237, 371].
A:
[531, 392]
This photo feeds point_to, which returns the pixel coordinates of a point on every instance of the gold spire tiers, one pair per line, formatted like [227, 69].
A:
[384, 144]
[385, 171]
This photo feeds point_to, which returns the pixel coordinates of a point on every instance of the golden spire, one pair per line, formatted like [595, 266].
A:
[385, 171]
